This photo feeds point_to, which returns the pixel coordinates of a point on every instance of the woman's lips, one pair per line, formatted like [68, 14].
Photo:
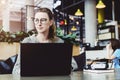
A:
[40, 27]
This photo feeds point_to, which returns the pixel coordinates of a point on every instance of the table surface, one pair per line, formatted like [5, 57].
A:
[78, 75]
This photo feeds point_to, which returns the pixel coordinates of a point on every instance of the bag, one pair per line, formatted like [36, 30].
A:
[100, 64]
[6, 66]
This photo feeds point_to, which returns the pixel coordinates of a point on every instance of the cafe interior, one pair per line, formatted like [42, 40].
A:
[88, 24]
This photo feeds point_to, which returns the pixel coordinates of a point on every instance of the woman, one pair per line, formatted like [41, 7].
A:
[44, 25]
[113, 52]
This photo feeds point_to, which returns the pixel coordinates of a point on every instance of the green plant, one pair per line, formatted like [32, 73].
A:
[69, 38]
[14, 37]
[19, 36]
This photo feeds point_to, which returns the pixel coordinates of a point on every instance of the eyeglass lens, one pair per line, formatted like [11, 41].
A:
[42, 20]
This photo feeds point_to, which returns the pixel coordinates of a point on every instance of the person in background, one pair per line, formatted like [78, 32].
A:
[45, 28]
[113, 52]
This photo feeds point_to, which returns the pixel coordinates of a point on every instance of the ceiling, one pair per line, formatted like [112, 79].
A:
[72, 6]
[15, 7]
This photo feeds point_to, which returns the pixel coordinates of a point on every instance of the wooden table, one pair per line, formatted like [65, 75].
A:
[78, 75]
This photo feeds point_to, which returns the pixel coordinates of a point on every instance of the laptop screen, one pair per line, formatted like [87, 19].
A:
[39, 59]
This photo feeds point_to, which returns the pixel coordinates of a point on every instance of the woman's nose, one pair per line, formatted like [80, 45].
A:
[39, 23]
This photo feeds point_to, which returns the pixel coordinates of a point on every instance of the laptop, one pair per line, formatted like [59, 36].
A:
[45, 59]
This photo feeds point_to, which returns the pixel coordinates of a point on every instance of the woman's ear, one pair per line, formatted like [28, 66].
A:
[51, 22]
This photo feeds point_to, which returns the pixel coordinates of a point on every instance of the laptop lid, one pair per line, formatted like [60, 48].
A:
[45, 59]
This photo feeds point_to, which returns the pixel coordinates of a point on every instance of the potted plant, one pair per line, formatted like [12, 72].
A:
[70, 38]
[14, 37]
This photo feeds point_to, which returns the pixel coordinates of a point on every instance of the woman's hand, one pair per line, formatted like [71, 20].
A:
[109, 51]
[109, 47]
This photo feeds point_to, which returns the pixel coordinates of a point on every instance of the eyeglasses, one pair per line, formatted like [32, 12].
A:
[42, 20]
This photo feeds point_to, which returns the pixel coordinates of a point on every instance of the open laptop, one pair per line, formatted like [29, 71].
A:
[45, 59]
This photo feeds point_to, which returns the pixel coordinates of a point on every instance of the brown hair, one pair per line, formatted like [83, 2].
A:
[51, 17]
[115, 43]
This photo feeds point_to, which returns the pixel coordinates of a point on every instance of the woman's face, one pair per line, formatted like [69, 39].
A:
[42, 22]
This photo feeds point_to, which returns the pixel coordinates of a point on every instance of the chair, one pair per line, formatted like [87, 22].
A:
[80, 59]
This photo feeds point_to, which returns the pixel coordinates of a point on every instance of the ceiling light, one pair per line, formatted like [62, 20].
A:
[100, 4]
[73, 28]
[78, 13]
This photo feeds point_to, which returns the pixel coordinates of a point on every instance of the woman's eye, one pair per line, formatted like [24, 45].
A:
[36, 20]
[43, 19]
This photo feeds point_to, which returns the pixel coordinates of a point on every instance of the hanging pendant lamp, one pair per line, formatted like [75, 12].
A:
[100, 4]
[78, 13]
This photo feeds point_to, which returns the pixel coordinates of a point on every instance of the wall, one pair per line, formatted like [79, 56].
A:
[15, 26]
[8, 50]
[0, 24]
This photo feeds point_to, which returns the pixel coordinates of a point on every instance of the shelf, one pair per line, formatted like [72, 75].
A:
[106, 27]
[95, 48]
[106, 32]
[106, 36]
[110, 28]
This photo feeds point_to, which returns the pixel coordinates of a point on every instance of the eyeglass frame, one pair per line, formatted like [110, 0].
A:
[42, 20]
